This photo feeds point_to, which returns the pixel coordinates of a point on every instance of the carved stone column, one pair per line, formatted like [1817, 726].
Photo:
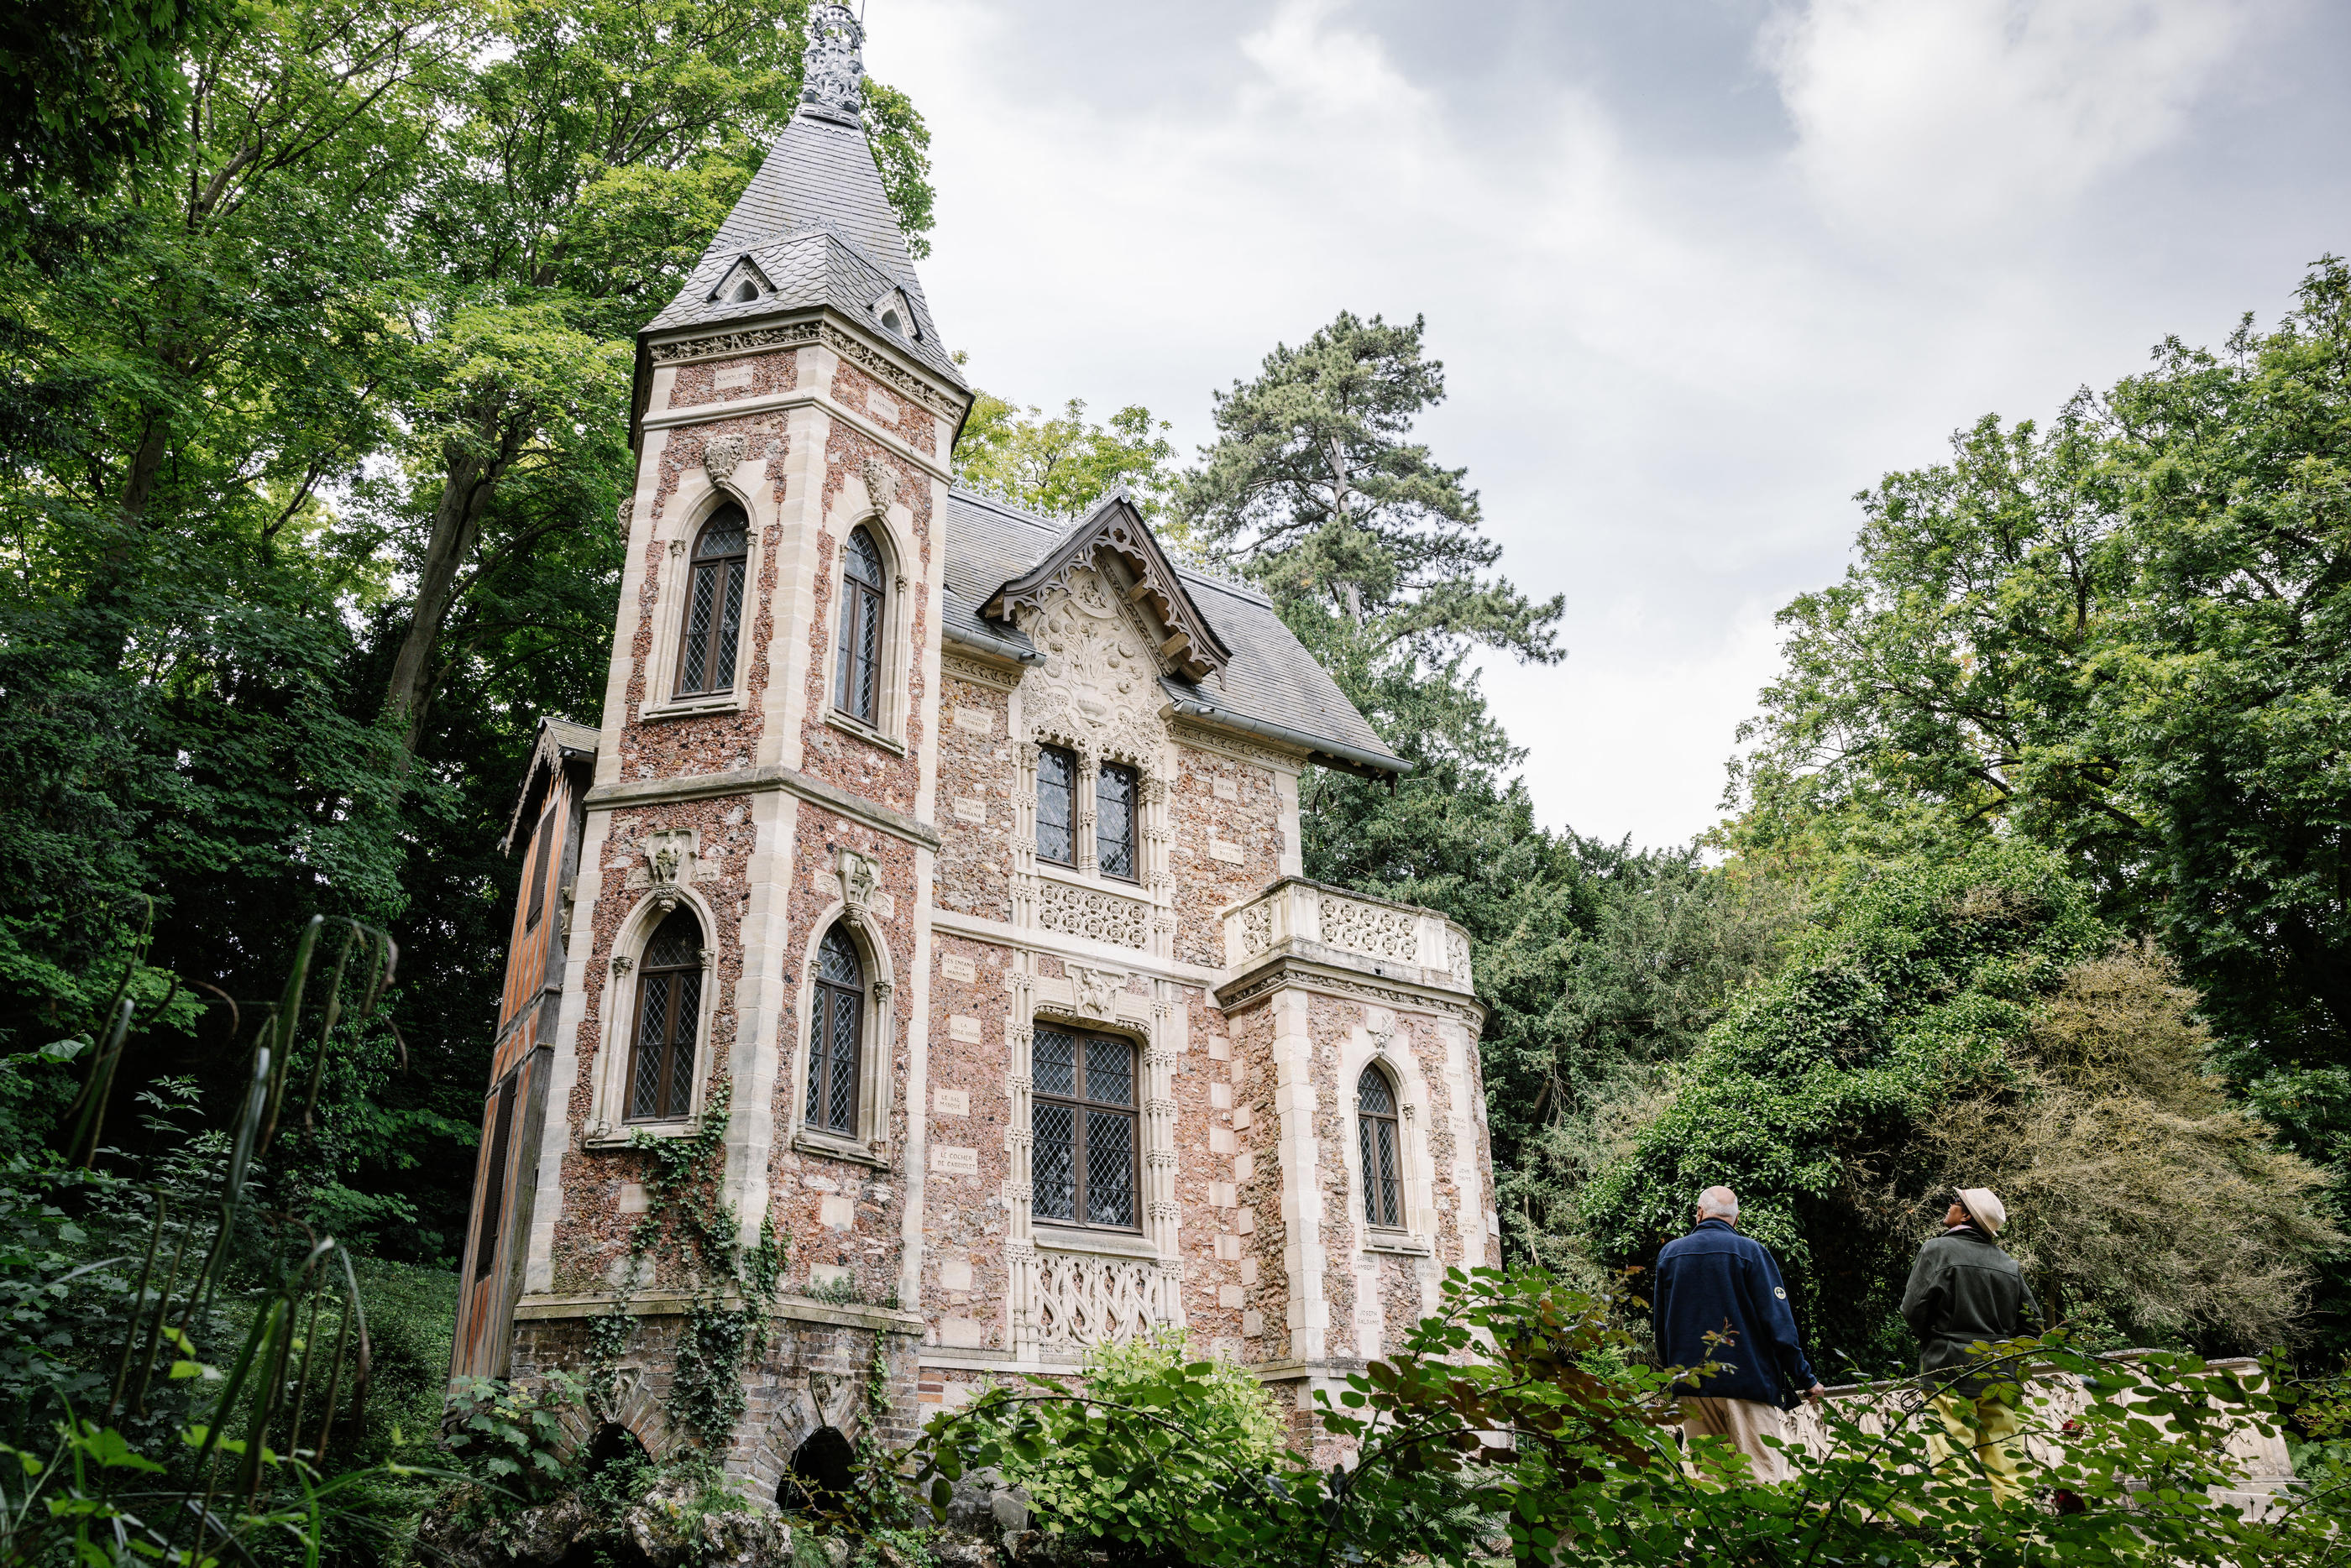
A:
[1024, 832]
[1160, 1210]
[1019, 1243]
[1158, 873]
[1089, 770]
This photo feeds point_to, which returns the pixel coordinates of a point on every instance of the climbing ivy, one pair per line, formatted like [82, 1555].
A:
[688, 1225]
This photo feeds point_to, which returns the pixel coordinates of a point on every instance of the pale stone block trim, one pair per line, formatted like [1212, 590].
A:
[918, 1091]
[753, 781]
[1469, 1203]
[793, 608]
[1294, 1105]
[1037, 939]
[767, 925]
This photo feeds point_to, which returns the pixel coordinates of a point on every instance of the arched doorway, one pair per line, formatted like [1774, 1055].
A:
[818, 1478]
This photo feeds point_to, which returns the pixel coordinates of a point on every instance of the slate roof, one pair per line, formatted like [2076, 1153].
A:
[816, 222]
[1271, 685]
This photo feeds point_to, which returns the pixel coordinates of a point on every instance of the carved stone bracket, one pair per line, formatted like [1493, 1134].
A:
[721, 456]
[1096, 990]
[881, 485]
[857, 878]
[669, 862]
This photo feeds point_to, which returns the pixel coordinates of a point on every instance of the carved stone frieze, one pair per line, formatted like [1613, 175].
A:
[1372, 929]
[979, 674]
[1094, 915]
[1116, 529]
[725, 345]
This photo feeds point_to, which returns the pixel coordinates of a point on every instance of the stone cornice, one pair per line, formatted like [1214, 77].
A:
[664, 1303]
[800, 398]
[1037, 939]
[756, 780]
[1284, 967]
[914, 384]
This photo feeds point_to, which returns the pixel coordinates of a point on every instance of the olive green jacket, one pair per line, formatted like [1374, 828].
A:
[1964, 1290]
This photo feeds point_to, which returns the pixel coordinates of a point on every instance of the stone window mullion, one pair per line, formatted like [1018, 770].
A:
[1089, 765]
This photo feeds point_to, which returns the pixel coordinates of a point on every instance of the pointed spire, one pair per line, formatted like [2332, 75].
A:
[832, 73]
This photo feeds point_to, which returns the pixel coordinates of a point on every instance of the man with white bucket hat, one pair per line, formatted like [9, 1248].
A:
[1966, 1291]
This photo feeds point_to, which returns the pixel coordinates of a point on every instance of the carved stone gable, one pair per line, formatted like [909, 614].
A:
[1099, 688]
[1116, 546]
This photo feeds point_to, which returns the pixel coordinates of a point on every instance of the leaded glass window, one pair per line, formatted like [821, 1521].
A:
[836, 1034]
[1114, 820]
[669, 1012]
[1084, 1154]
[714, 603]
[1375, 1124]
[1057, 805]
[857, 678]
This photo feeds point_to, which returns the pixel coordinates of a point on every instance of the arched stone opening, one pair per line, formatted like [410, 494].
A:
[818, 1478]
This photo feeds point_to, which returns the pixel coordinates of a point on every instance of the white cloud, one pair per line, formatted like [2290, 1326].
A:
[1942, 119]
[1667, 372]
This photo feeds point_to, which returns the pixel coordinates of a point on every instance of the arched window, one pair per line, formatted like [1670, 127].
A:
[836, 1034]
[858, 680]
[714, 603]
[669, 1010]
[1375, 1123]
[1083, 1123]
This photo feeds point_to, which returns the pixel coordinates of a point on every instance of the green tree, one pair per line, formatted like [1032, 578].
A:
[1063, 462]
[2128, 638]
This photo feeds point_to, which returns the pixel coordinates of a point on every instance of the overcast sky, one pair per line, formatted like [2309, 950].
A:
[1698, 270]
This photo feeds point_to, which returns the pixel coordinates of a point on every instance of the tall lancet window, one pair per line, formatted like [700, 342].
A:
[1375, 1123]
[857, 682]
[714, 603]
[669, 1012]
[836, 1035]
[1057, 804]
[1114, 820]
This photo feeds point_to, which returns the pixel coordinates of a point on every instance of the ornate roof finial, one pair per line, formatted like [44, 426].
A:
[832, 77]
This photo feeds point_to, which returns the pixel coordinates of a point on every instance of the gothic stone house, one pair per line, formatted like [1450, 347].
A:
[949, 856]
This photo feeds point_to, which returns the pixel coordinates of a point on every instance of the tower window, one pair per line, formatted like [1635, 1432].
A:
[714, 605]
[746, 291]
[1375, 1125]
[1082, 1122]
[669, 1012]
[539, 869]
[858, 676]
[1114, 820]
[1057, 805]
[836, 1035]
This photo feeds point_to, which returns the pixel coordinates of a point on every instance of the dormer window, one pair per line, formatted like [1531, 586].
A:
[743, 285]
[896, 315]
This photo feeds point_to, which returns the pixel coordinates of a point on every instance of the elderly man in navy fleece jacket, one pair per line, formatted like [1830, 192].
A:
[1715, 1281]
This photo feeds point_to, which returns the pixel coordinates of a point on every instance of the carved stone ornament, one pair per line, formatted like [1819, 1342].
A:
[881, 485]
[1116, 530]
[669, 861]
[1099, 688]
[1381, 1025]
[1095, 991]
[858, 877]
[835, 1395]
[721, 456]
[832, 76]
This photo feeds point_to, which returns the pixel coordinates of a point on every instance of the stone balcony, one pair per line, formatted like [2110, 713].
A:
[1297, 918]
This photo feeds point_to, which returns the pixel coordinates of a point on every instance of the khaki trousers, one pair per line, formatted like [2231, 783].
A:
[1746, 1422]
[1985, 1428]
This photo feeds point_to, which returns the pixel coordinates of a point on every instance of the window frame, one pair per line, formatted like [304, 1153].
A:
[544, 852]
[678, 1012]
[870, 603]
[1082, 1107]
[1070, 821]
[1132, 778]
[715, 645]
[1392, 1217]
[824, 995]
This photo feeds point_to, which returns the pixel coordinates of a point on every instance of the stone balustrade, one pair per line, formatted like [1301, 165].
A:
[1305, 916]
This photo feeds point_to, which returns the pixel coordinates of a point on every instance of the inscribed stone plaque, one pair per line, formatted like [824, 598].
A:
[1228, 790]
[947, 1161]
[951, 1102]
[979, 721]
[1228, 853]
[968, 809]
[961, 969]
[733, 376]
[960, 1027]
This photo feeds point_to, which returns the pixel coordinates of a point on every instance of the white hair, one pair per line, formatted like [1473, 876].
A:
[1718, 1203]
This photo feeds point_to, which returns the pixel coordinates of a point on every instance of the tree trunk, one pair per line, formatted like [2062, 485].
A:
[110, 630]
[471, 479]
